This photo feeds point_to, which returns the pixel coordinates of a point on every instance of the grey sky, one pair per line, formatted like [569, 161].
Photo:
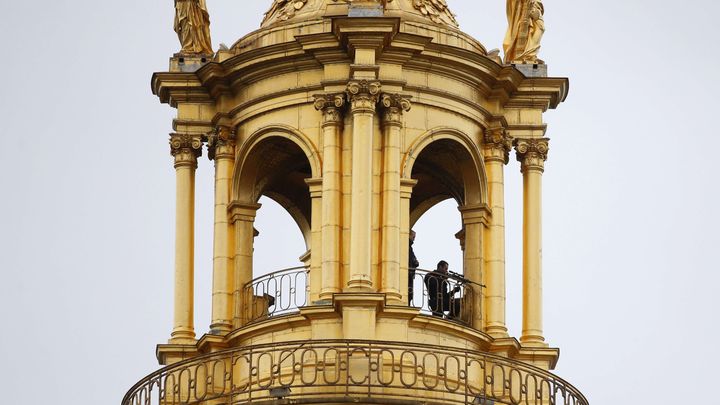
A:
[630, 196]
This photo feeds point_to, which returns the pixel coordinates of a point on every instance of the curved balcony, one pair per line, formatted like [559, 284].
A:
[286, 291]
[315, 372]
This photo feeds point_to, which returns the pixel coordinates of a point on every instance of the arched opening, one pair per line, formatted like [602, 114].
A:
[448, 175]
[272, 170]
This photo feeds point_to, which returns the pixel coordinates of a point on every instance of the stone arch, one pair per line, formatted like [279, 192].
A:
[275, 161]
[449, 164]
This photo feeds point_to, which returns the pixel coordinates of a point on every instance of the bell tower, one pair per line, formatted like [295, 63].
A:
[357, 117]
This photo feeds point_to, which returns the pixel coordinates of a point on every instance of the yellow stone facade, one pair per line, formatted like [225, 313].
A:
[357, 118]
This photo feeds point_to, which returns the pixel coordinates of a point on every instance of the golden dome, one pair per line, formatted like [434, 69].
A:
[430, 11]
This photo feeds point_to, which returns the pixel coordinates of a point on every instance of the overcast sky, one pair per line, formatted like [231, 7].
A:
[630, 197]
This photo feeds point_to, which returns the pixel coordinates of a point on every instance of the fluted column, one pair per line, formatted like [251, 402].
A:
[532, 154]
[331, 106]
[185, 149]
[393, 107]
[363, 96]
[496, 149]
[242, 216]
[221, 149]
[475, 219]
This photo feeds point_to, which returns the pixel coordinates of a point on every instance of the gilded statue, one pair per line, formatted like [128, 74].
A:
[525, 30]
[192, 24]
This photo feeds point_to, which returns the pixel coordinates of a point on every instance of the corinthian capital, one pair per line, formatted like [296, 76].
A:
[221, 143]
[497, 145]
[186, 149]
[363, 95]
[532, 153]
[331, 107]
[393, 107]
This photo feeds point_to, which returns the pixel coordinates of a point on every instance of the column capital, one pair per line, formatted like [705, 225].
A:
[221, 143]
[532, 153]
[497, 145]
[245, 212]
[331, 106]
[186, 149]
[363, 95]
[394, 105]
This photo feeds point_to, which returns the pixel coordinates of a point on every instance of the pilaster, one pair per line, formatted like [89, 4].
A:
[221, 149]
[242, 215]
[496, 151]
[331, 107]
[363, 96]
[393, 106]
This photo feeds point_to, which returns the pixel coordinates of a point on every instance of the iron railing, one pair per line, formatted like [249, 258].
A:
[352, 371]
[278, 293]
[448, 296]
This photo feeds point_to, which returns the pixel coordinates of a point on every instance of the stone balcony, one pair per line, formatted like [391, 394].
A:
[349, 371]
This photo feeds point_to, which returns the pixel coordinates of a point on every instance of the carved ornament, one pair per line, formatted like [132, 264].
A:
[393, 107]
[283, 10]
[221, 143]
[330, 105]
[186, 149]
[532, 153]
[363, 95]
[436, 10]
[497, 145]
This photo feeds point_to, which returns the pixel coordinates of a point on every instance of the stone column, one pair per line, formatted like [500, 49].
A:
[331, 106]
[363, 96]
[496, 150]
[221, 149]
[242, 215]
[186, 149]
[394, 105]
[475, 218]
[532, 154]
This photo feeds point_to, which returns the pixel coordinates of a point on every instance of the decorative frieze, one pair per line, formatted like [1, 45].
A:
[186, 149]
[221, 143]
[331, 107]
[497, 145]
[532, 153]
[363, 95]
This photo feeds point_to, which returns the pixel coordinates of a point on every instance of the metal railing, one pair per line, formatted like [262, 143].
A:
[449, 296]
[278, 293]
[352, 371]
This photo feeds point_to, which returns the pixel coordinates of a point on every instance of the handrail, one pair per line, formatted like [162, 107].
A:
[448, 296]
[277, 293]
[341, 370]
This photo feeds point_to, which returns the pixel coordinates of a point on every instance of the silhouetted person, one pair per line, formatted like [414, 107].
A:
[440, 298]
[413, 264]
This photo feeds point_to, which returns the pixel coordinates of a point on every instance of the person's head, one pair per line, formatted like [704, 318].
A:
[412, 235]
[442, 266]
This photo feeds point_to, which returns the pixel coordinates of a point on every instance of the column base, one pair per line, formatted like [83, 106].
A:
[221, 328]
[497, 331]
[533, 341]
[182, 337]
[360, 286]
[393, 297]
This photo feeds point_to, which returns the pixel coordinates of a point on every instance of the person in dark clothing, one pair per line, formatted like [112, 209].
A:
[413, 264]
[440, 298]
